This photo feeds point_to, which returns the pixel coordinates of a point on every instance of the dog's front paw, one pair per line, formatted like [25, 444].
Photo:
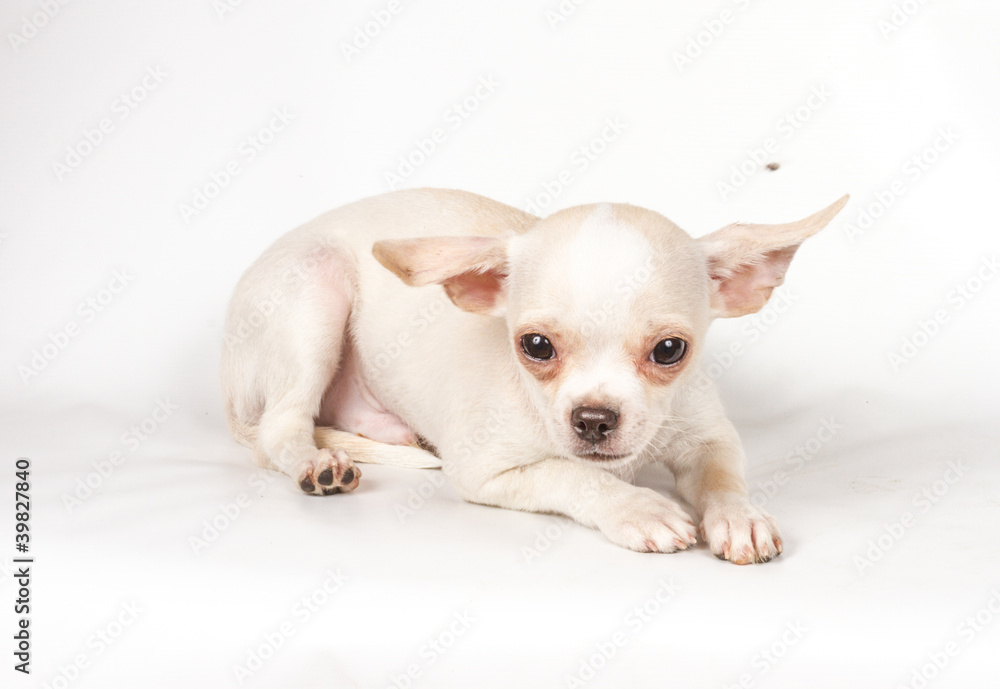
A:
[649, 523]
[329, 472]
[739, 532]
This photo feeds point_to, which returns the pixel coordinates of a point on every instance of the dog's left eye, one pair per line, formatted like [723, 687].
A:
[669, 351]
[537, 346]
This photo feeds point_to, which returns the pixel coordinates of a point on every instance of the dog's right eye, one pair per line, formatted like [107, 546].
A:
[537, 346]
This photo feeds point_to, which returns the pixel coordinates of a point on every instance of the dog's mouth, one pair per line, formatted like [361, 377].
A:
[597, 456]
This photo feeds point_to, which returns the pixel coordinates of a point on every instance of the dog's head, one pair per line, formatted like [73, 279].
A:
[606, 308]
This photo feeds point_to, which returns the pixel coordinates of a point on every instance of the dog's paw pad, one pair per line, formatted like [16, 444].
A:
[328, 473]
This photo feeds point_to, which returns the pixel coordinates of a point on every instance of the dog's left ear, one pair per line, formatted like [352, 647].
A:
[746, 262]
[472, 270]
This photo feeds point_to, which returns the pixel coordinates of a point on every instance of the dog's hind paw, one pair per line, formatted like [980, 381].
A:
[329, 472]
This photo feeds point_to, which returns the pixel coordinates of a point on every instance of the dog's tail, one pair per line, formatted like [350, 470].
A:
[359, 448]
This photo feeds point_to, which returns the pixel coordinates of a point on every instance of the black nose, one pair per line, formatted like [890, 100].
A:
[593, 425]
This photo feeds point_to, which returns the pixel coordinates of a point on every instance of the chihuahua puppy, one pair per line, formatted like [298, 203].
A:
[539, 362]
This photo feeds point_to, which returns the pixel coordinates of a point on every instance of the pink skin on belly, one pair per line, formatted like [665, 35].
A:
[349, 405]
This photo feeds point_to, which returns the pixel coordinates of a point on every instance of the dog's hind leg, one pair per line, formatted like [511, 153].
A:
[287, 364]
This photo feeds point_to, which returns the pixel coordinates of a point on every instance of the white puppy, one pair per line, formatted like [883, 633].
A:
[542, 361]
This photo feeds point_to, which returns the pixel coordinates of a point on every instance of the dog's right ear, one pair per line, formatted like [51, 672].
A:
[472, 270]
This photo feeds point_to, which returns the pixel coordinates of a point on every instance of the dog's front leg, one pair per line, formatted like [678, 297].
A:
[637, 518]
[711, 479]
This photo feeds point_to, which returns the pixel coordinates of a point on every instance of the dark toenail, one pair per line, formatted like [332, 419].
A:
[326, 477]
[348, 477]
[331, 491]
[307, 485]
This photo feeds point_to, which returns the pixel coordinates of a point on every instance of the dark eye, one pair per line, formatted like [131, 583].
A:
[537, 346]
[669, 351]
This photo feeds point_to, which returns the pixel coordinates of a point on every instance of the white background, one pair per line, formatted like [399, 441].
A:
[856, 297]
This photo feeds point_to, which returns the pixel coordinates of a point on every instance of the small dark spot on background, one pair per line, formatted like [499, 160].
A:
[773, 166]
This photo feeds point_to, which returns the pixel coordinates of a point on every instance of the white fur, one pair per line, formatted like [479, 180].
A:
[330, 359]
[603, 253]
